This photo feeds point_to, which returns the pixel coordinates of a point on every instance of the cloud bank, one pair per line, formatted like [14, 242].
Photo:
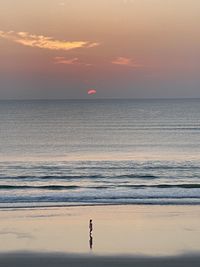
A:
[44, 42]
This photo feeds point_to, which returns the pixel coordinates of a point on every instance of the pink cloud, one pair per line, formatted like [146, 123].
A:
[63, 60]
[71, 61]
[124, 61]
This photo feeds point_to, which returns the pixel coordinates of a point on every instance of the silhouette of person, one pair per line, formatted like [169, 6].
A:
[91, 226]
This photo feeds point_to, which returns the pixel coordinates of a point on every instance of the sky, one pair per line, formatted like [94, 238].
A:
[119, 48]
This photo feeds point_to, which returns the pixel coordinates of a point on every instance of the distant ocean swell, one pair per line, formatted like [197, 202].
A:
[99, 182]
[73, 187]
[93, 152]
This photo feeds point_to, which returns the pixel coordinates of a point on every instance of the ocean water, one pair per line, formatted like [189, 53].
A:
[80, 152]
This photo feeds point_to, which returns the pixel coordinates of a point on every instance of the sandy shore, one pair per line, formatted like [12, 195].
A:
[122, 236]
[59, 260]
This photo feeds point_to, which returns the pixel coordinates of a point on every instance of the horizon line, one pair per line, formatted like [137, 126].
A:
[102, 98]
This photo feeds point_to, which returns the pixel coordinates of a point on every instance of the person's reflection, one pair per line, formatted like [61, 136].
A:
[91, 241]
[90, 234]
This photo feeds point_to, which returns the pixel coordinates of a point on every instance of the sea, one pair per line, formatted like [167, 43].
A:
[99, 152]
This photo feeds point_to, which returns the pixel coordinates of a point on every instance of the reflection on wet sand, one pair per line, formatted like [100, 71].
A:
[91, 242]
[90, 234]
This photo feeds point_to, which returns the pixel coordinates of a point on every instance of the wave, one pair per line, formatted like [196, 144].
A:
[111, 186]
[48, 187]
[186, 186]
[82, 177]
[65, 201]
[142, 176]
[62, 177]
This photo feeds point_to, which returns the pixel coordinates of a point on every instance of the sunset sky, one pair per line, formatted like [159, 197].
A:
[120, 48]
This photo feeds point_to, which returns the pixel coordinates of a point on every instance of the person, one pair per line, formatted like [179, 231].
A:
[90, 226]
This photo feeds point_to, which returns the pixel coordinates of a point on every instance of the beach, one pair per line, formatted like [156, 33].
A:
[122, 236]
[99, 133]
[132, 167]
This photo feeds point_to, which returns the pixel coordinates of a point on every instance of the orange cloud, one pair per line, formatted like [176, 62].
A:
[72, 61]
[40, 41]
[124, 61]
[63, 60]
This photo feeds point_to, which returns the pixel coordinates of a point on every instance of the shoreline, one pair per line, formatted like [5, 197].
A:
[100, 205]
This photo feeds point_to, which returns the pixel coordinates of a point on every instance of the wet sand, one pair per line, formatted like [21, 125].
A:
[121, 236]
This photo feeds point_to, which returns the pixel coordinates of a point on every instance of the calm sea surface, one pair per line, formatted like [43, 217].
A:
[99, 152]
